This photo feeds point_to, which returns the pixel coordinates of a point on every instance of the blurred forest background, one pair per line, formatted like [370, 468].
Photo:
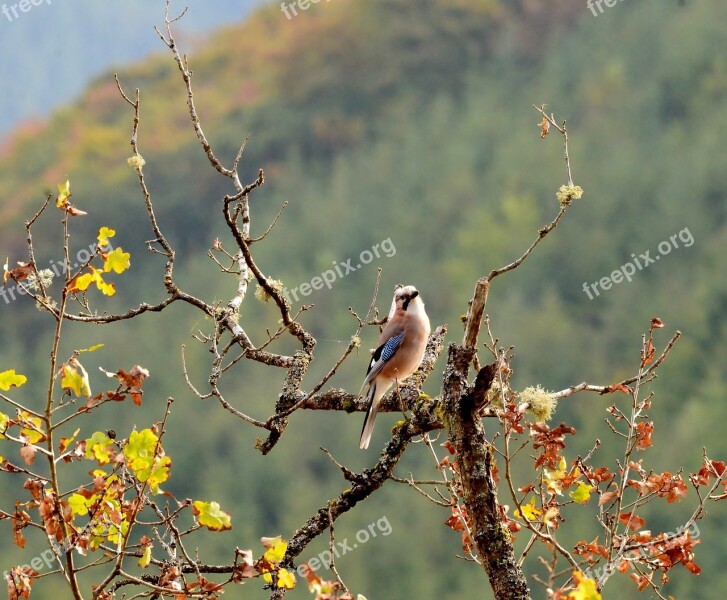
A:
[401, 119]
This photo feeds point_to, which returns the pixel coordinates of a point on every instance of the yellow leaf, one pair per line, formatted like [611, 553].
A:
[4, 420]
[64, 193]
[156, 473]
[10, 379]
[585, 589]
[98, 447]
[140, 450]
[212, 516]
[65, 442]
[76, 380]
[142, 459]
[80, 504]
[552, 478]
[104, 233]
[118, 261]
[33, 430]
[550, 518]
[529, 511]
[112, 534]
[81, 283]
[145, 560]
[107, 289]
[276, 551]
[6, 271]
[92, 348]
[285, 579]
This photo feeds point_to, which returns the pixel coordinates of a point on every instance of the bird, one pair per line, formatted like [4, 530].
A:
[400, 352]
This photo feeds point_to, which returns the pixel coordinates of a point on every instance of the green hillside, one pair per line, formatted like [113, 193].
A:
[408, 121]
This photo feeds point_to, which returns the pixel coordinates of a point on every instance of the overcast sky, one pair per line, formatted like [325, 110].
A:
[55, 47]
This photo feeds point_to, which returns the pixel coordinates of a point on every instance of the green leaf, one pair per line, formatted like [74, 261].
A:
[582, 494]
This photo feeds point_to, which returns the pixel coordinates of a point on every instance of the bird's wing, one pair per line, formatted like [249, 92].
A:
[381, 356]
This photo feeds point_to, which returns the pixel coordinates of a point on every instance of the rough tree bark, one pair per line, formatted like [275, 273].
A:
[467, 435]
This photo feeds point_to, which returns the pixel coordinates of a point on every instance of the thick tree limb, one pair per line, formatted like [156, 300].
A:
[364, 485]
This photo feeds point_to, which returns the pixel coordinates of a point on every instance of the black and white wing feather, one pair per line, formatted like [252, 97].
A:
[381, 356]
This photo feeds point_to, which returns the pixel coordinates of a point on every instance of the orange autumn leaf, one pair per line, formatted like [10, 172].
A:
[620, 387]
[648, 355]
[74, 211]
[693, 568]
[606, 497]
[132, 381]
[544, 127]
[590, 551]
[641, 581]
[22, 271]
[643, 435]
[632, 520]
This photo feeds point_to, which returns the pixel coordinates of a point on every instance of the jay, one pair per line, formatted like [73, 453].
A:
[400, 352]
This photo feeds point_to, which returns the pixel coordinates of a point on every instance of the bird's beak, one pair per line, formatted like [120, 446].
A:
[414, 294]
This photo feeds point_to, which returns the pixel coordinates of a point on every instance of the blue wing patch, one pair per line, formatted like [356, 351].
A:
[382, 355]
[390, 347]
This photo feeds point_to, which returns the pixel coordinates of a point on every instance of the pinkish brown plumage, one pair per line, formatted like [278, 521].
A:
[400, 352]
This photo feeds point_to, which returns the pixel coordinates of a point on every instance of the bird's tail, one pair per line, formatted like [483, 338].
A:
[368, 426]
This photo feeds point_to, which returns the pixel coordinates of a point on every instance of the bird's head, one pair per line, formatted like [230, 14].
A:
[407, 298]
